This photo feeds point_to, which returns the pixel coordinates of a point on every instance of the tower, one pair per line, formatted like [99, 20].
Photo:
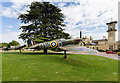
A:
[111, 32]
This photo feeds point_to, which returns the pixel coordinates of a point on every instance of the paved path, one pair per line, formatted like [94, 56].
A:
[103, 54]
[113, 56]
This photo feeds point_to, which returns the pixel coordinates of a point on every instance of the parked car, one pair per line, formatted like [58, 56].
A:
[110, 52]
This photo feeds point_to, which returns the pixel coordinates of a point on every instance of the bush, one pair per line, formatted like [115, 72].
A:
[0, 45]
[4, 44]
[107, 50]
[14, 43]
[115, 50]
[118, 53]
[101, 50]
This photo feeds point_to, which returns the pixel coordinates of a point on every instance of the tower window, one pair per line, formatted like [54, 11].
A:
[97, 48]
[110, 26]
[111, 34]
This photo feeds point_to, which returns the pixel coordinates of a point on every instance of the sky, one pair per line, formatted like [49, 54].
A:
[89, 16]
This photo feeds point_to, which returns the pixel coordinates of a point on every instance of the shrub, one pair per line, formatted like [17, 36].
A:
[118, 53]
[107, 50]
[102, 50]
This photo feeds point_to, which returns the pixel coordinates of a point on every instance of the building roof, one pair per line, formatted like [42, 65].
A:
[100, 40]
[111, 30]
[111, 22]
[118, 41]
[91, 44]
[85, 38]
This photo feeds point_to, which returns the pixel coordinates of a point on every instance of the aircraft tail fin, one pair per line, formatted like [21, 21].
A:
[30, 43]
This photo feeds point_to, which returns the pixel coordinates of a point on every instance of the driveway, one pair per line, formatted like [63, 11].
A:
[103, 54]
[113, 56]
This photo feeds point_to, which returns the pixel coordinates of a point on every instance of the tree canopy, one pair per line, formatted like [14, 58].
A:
[14, 43]
[44, 22]
[3, 44]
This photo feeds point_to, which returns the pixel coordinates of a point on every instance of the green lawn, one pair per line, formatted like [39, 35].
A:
[118, 53]
[0, 67]
[30, 66]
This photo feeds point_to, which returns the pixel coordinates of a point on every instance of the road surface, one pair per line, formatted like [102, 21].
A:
[103, 54]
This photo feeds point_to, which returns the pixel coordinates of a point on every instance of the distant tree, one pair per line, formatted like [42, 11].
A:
[14, 43]
[119, 49]
[4, 44]
[0, 45]
[44, 21]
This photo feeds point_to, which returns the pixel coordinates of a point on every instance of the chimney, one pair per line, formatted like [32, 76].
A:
[91, 38]
[104, 37]
[80, 34]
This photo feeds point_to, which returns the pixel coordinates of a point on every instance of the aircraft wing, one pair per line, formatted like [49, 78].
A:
[19, 47]
[6, 49]
[76, 49]
[14, 48]
[34, 46]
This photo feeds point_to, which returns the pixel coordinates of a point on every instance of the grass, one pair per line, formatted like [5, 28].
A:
[119, 53]
[0, 67]
[36, 66]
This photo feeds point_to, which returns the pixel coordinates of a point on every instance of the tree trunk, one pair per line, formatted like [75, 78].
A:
[45, 51]
[20, 50]
[65, 57]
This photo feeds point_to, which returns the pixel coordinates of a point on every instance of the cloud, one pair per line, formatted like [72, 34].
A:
[10, 26]
[89, 16]
[8, 12]
[8, 37]
[14, 10]
[8, 30]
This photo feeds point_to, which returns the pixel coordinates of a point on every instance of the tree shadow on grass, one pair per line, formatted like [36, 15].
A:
[55, 58]
[39, 53]
[34, 53]
[68, 61]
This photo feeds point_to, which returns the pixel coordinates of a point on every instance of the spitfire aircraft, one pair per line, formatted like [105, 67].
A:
[66, 45]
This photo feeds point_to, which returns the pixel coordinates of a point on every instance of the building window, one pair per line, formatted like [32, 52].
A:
[111, 47]
[97, 48]
[81, 44]
[111, 26]
[111, 34]
[118, 46]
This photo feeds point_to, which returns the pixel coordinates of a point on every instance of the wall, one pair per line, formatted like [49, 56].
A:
[103, 46]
